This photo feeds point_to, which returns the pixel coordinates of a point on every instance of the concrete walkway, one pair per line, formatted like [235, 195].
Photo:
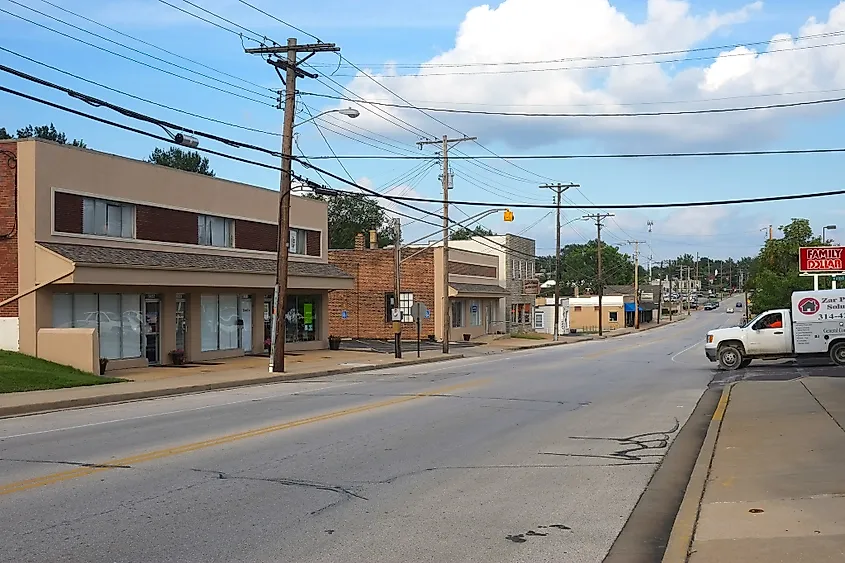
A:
[768, 486]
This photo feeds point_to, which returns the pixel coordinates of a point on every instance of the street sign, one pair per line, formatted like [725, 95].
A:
[839, 278]
[420, 311]
[531, 286]
[821, 259]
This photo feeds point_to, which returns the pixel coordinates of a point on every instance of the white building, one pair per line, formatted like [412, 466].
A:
[544, 315]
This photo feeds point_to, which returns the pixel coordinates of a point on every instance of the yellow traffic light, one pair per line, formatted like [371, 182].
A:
[508, 215]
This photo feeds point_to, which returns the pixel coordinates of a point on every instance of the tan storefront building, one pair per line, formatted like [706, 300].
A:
[149, 260]
[584, 313]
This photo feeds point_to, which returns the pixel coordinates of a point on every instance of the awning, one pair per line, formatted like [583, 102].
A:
[479, 290]
[132, 266]
[629, 308]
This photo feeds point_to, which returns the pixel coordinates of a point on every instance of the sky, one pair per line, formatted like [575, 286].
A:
[523, 56]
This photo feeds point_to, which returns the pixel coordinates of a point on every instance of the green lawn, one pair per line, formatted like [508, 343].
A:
[19, 372]
[528, 335]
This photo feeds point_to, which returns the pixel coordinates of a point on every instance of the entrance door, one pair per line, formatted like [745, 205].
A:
[246, 328]
[181, 322]
[152, 317]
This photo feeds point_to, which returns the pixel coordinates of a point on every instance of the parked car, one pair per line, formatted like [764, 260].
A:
[729, 310]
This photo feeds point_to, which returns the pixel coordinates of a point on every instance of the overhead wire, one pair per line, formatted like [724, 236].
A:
[153, 67]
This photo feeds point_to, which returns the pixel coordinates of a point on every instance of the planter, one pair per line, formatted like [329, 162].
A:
[334, 343]
[177, 357]
[103, 363]
[573, 331]
[467, 337]
[431, 338]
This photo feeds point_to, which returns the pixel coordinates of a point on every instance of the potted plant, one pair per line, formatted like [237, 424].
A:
[467, 336]
[431, 338]
[334, 342]
[177, 357]
[103, 363]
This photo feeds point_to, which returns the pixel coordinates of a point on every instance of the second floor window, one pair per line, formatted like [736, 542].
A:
[216, 231]
[107, 218]
[297, 241]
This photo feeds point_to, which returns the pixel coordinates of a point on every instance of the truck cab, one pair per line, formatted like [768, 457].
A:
[766, 336]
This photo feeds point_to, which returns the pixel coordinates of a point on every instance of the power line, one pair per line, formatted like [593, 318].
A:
[397, 199]
[603, 156]
[601, 66]
[281, 21]
[623, 56]
[153, 67]
[605, 114]
[140, 52]
[153, 45]
[261, 38]
[142, 99]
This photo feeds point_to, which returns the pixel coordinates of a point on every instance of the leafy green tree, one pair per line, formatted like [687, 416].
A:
[579, 267]
[48, 132]
[774, 275]
[350, 214]
[174, 157]
[463, 233]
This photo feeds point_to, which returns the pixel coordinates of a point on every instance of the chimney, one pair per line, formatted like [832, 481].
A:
[373, 239]
[359, 241]
[576, 291]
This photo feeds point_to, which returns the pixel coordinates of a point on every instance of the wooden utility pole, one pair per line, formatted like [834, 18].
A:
[558, 189]
[397, 290]
[636, 244]
[447, 142]
[669, 278]
[292, 71]
[660, 294]
[598, 218]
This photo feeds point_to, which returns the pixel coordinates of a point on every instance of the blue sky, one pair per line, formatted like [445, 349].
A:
[374, 34]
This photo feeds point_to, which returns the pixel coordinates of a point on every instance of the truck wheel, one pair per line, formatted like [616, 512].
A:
[730, 358]
[837, 353]
[745, 363]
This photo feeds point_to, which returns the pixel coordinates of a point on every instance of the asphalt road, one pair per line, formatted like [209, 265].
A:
[531, 456]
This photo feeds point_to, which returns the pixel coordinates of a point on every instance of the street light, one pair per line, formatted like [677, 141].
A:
[351, 113]
[827, 228]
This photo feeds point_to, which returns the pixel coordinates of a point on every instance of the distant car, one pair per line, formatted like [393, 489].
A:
[739, 304]
[710, 306]
[729, 310]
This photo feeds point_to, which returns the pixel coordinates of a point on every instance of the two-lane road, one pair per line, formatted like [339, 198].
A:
[531, 456]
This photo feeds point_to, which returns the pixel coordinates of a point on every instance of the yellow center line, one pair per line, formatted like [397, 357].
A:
[63, 476]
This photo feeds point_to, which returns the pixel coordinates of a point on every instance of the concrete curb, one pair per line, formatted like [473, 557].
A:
[37, 408]
[683, 530]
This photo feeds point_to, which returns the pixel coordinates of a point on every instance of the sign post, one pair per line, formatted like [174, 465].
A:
[419, 310]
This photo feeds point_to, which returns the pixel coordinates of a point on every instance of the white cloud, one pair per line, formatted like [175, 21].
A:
[541, 29]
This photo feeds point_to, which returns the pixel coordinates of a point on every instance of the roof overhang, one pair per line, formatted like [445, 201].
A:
[477, 290]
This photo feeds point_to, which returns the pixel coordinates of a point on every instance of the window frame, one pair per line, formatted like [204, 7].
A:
[406, 303]
[613, 316]
[205, 232]
[125, 211]
[472, 320]
[457, 305]
[121, 333]
[294, 236]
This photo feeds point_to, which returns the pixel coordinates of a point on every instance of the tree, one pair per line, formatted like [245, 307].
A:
[463, 233]
[774, 274]
[350, 214]
[578, 267]
[48, 132]
[174, 157]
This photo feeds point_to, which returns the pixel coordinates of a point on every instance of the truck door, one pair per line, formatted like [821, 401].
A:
[768, 336]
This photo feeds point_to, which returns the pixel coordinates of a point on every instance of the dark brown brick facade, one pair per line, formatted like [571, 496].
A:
[8, 229]
[365, 303]
[67, 209]
[166, 225]
[464, 269]
[250, 235]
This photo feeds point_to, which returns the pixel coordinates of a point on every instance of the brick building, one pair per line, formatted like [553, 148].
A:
[365, 310]
[148, 260]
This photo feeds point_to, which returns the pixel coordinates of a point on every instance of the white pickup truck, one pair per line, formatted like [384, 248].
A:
[814, 326]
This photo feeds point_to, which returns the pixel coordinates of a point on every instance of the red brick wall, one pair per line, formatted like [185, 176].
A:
[67, 213]
[364, 304]
[8, 231]
[166, 225]
[464, 269]
[250, 235]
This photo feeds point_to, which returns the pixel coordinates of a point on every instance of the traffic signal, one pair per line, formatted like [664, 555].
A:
[508, 215]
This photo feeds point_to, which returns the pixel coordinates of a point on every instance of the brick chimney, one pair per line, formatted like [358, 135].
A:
[359, 241]
[373, 239]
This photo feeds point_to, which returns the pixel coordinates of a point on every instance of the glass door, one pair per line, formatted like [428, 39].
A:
[152, 317]
[246, 326]
[181, 321]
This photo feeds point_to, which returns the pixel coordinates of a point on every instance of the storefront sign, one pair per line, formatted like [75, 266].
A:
[821, 259]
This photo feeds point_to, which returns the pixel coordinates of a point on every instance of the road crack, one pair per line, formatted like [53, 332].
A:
[631, 446]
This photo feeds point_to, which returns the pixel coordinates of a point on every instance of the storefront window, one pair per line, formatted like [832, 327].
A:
[474, 313]
[219, 322]
[116, 316]
[457, 314]
[302, 318]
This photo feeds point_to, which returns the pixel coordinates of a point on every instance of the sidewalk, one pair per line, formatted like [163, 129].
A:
[772, 471]
[163, 381]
